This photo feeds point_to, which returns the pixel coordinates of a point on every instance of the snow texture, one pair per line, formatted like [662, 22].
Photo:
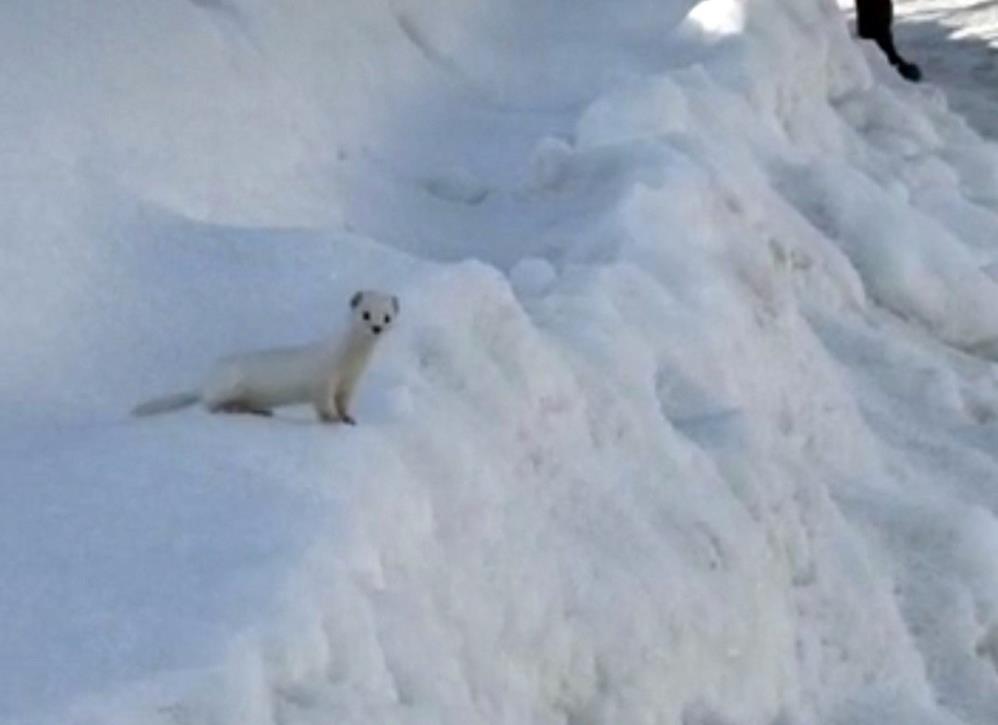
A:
[691, 413]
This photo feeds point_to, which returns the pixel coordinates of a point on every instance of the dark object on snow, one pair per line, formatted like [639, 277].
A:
[873, 21]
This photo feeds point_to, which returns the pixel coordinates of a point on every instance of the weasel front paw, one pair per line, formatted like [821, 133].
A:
[327, 417]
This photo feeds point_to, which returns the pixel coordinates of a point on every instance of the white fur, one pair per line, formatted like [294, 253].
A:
[324, 374]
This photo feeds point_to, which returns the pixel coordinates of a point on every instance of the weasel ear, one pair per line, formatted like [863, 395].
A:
[355, 300]
[395, 304]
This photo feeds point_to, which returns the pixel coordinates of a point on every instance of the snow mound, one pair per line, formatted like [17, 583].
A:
[690, 415]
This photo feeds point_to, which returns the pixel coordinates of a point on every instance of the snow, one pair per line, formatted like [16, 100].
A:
[691, 412]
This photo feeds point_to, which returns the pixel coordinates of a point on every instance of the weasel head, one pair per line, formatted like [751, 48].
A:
[373, 313]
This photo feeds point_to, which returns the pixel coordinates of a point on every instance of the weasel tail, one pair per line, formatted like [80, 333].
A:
[166, 404]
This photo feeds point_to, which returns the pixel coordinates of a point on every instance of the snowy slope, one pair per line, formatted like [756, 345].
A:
[691, 415]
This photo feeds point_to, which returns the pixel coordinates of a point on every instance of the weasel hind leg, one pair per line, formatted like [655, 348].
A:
[237, 406]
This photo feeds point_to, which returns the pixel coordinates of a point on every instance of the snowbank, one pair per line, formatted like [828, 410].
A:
[689, 417]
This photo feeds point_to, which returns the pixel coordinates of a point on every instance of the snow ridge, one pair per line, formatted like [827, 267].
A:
[690, 416]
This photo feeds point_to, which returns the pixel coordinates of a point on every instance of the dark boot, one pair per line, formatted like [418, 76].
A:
[873, 22]
[909, 71]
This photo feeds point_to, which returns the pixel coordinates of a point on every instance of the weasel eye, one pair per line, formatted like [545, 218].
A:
[388, 318]
[367, 316]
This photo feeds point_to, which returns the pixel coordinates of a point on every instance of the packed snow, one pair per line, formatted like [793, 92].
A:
[690, 415]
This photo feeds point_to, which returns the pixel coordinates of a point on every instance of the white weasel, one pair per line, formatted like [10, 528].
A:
[324, 374]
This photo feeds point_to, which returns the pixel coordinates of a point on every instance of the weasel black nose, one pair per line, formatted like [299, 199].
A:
[377, 329]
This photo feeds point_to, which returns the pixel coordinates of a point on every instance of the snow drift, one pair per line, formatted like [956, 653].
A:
[689, 417]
